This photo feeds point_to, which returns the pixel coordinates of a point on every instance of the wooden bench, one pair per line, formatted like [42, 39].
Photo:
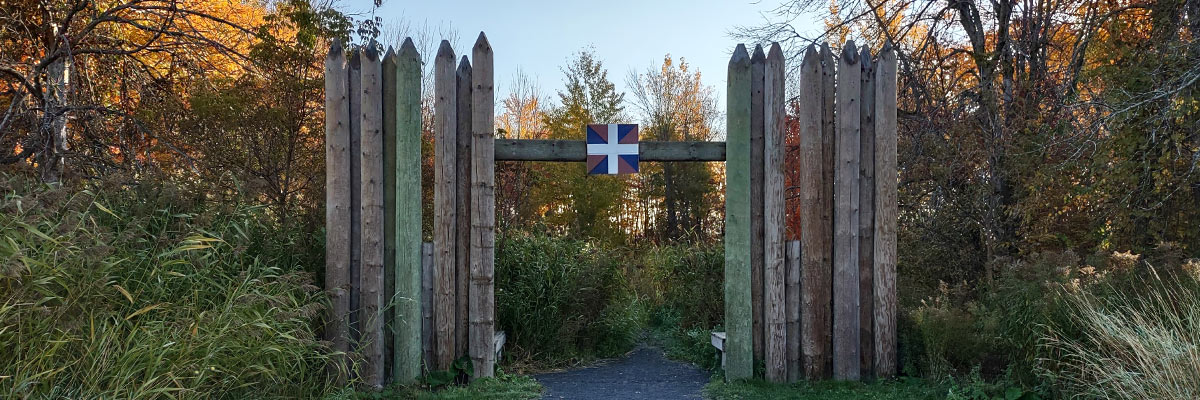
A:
[718, 341]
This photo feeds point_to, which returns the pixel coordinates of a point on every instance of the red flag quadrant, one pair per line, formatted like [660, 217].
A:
[610, 157]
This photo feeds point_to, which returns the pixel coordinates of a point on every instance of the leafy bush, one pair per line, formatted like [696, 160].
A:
[688, 279]
[139, 291]
[562, 300]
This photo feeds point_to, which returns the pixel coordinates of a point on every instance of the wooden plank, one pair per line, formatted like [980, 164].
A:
[427, 326]
[774, 274]
[738, 348]
[371, 344]
[576, 150]
[846, 332]
[462, 203]
[337, 209]
[444, 200]
[886, 214]
[483, 348]
[815, 284]
[793, 311]
[757, 68]
[388, 79]
[407, 151]
[355, 195]
[866, 214]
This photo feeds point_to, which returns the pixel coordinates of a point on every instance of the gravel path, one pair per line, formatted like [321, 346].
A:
[643, 374]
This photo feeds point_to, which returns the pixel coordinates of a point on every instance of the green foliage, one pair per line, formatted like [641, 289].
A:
[502, 387]
[562, 300]
[139, 290]
[906, 389]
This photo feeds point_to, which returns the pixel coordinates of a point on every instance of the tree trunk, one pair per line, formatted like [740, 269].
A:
[54, 119]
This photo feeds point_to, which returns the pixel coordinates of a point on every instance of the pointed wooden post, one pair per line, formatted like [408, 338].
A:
[845, 220]
[774, 273]
[445, 214]
[371, 344]
[757, 68]
[407, 208]
[462, 203]
[815, 280]
[483, 213]
[866, 214]
[337, 209]
[739, 351]
[389, 213]
[886, 214]
[355, 87]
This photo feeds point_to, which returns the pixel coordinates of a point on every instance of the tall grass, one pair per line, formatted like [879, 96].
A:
[137, 291]
[1132, 345]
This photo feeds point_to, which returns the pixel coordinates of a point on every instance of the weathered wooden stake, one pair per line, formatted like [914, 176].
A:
[739, 351]
[389, 214]
[757, 69]
[815, 281]
[886, 214]
[371, 345]
[428, 328]
[337, 209]
[444, 200]
[866, 214]
[462, 203]
[845, 220]
[794, 371]
[355, 197]
[483, 214]
[407, 168]
[774, 268]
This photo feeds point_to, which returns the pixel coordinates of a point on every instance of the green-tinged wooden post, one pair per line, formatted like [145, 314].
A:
[444, 212]
[774, 273]
[337, 210]
[483, 213]
[407, 207]
[758, 61]
[389, 214]
[845, 220]
[371, 345]
[866, 215]
[462, 203]
[815, 236]
[739, 351]
[886, 214]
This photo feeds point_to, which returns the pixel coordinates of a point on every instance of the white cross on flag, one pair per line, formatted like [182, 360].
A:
[612, 149]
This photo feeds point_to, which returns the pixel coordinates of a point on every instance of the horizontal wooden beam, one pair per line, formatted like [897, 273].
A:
[576, 150]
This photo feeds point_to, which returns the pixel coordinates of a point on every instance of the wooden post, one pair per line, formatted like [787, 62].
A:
[757, 68]
[483, 214]
[407, 208]
[774, 274]
[886, 214]
[444, 200]
[371, 344]
[793, 311]
[462, 203]
[428, 335]
[388, 79]
[739, 352]
[845, 220]
[337, 209]
[355, 195]
[866, 214]
[815, 284]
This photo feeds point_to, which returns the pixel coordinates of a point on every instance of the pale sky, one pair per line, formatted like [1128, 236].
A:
[539, 37]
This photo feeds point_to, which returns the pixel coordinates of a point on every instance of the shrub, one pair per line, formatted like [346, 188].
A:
[562, 300]
[151, 291]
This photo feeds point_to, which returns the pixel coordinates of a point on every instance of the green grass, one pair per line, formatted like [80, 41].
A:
[502, 387]
[906, 389]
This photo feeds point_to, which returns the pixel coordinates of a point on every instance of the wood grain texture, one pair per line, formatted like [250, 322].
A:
[355, 63]
[866, 214]
[846, 358]
[758, 63]
[428, 329]
[462, 205]
[576, 150]
[409, 338]
[337, 209]
[792, 265]
[774, 268]
[371, 183]
[483, 213]
[445, 213]
[815, 285]
[739, 351]
[886, 214]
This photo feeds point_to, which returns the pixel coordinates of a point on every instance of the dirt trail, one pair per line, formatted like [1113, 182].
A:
[643, 374]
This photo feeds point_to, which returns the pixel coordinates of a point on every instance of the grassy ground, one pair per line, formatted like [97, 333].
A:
[502, 387]
[913, 389]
